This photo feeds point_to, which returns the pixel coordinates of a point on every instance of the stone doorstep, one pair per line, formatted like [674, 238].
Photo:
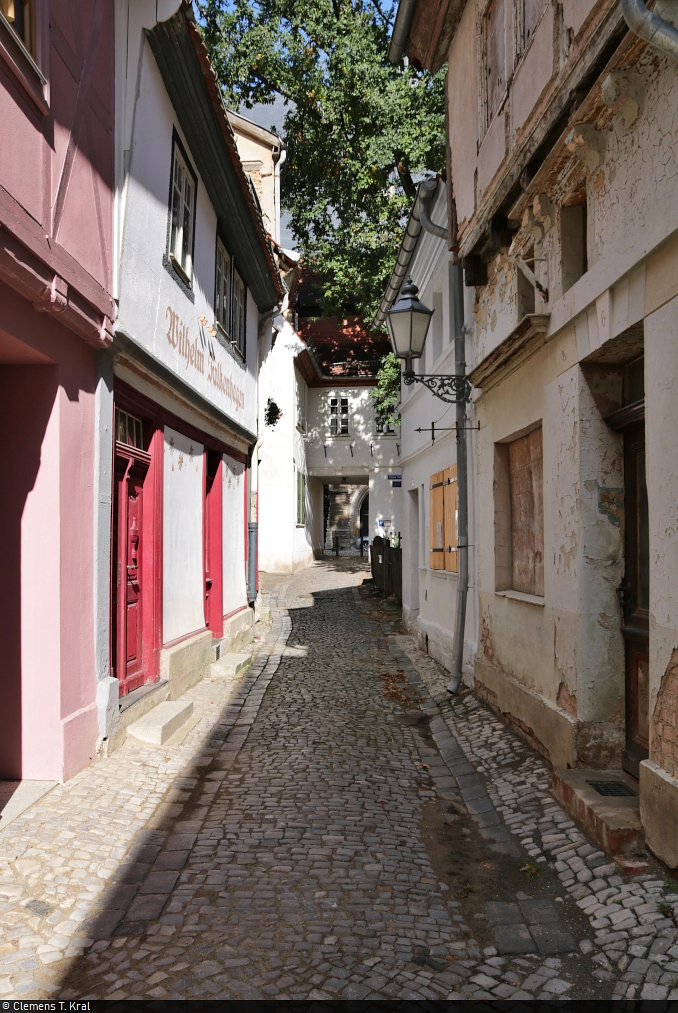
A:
[163, 721]
[612, 822]
[231, 665]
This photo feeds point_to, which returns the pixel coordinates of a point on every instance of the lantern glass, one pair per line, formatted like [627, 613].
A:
[408, 323]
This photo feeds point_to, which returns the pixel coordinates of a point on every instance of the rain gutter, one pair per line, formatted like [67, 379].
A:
[401, 30]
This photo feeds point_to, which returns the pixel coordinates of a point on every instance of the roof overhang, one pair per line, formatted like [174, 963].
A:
[423, 31]
[193, 89]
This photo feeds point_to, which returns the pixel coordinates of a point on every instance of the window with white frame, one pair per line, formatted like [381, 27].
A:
[222, 288]
[301, 403]
[182, 215]
[238, 312]
[339, 416]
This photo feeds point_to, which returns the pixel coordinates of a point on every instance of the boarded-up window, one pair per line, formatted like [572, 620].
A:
[532, 12]
[495, 56]
[525, 458]
[443, 520]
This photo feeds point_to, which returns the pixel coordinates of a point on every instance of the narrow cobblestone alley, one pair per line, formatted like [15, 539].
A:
[333, 827]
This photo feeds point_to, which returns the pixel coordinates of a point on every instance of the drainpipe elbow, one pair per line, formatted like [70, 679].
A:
[649, 26]
[427, 192]
[454, 683]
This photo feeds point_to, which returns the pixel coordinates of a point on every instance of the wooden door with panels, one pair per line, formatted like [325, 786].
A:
[130, 471]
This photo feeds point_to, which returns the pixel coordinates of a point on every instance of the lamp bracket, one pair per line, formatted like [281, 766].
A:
[448, 387]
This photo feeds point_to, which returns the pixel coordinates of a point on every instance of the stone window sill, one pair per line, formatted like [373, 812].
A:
[531, 599]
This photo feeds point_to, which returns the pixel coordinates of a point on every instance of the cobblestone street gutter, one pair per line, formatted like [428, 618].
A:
[632, 937]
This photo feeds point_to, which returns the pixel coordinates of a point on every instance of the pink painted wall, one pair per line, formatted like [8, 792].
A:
[48, 724]
[56, 165]
[59, 164]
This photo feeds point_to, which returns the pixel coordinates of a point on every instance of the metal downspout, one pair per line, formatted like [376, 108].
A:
[649, 26]
[427, 191]
[426, 196]
[457, 322]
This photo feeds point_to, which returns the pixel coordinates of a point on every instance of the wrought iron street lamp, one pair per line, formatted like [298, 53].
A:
[408, 324]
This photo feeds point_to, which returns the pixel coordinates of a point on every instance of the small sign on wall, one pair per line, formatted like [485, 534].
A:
[396, 485]
[394, 477]
[385, 522]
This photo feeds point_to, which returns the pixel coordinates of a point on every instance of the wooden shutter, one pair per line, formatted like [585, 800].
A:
[437, 522]
[495, 56]
[451, 527]
[527, 513]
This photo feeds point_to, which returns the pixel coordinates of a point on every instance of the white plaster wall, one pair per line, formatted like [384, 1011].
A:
[234, 534]
[284, 546]
[361, 457]
[183, 596]
[430, 596]
[149, 294]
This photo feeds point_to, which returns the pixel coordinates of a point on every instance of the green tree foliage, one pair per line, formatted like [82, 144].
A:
[386, 395]
[356, 126]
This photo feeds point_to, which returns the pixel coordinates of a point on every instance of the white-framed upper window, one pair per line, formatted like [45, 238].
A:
[339, 416]
[238, 313]
[182, 215]
[222, 288]
[301, 403]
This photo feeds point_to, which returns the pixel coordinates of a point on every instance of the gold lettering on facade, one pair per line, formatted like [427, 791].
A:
[177, 337]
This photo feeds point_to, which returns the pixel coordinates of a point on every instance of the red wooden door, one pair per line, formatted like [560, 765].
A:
[128, 652]
[213, 539]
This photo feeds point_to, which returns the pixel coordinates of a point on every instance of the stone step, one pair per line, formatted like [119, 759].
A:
[231, 665]
[163, 721]
[613, 821]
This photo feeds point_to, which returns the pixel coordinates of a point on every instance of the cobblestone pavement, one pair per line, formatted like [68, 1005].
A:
[332, 827]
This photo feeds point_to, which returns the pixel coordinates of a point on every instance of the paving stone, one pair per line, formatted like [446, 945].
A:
[514, 938]
[503, 914]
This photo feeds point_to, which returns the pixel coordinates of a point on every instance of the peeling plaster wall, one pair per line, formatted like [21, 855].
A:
[633, 193]
[661, 377]
[567, 648]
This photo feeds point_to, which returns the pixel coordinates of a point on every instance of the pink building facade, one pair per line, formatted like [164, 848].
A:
[56, 315]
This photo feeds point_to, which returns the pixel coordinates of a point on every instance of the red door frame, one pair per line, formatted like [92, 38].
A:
[134, 458]
[155, 418]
